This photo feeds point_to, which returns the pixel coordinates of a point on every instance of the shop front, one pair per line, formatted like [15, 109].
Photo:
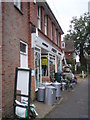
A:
[47, 60]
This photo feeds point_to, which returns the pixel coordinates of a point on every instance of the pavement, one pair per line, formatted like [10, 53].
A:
[44, 109]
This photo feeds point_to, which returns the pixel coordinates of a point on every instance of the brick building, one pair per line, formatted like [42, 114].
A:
[69, 49]
[30, 38]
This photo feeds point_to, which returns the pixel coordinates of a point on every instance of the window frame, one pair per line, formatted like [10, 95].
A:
[39, 17]
[17, 3]
[63, 44]
[59, 40]
[56, 36]
[25, 53]
[45, 24]
[51, 31]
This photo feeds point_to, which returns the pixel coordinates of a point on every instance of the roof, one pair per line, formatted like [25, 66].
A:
[49, 12]
[69, 46]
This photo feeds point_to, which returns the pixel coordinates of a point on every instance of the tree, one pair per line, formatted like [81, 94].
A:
[80, 33]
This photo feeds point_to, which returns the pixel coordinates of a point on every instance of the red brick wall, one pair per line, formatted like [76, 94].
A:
[0, 60]
[33, 13]
[53, 33]
[16, 28]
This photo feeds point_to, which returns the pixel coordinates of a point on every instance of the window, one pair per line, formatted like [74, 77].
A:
[56, 36]
[44, 63]
[39, 17]
[63, 44]
[52, 67]
[45, 24]
[17, 3]
[37, 62]
[23, 55]
[59, 65]
[51, 30]
[22, 47]
[58, 41]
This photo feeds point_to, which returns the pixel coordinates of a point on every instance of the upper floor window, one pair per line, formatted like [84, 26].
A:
[45, 24]
[51, 31]
[63, 44]
[39, 17]
[17, 3]
[56, 36]
[58, 41]
[22, 47]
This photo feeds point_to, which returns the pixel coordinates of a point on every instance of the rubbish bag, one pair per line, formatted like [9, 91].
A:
[33, 112]
[23, 112]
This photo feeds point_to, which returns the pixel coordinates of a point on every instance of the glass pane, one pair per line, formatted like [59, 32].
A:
[37, 69]
[22, 47]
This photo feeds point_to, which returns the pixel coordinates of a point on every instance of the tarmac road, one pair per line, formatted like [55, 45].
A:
[74, 103]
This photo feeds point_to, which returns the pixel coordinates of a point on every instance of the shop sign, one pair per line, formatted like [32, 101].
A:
[44, 61]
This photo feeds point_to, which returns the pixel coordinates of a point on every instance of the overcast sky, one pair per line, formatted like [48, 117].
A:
[64, 10]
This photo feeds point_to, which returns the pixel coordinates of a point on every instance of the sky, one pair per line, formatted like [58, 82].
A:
[64, 10]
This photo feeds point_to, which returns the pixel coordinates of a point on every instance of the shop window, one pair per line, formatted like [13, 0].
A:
[39, 17]
[45, 25]
[59, 65]
[17, 3]
[52, 67]
[37, 61]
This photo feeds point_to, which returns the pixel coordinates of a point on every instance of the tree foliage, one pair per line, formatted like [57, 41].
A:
[80, 33]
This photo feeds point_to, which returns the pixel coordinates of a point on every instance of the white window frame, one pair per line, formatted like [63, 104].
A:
[45, 24]
[26, 48]
[24, 53]
[39, 17]
[34, 1]
[17, 3]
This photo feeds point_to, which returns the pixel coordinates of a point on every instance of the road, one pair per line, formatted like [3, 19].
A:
[74, 103]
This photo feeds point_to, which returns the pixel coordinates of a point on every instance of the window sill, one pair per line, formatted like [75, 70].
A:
[18, 9]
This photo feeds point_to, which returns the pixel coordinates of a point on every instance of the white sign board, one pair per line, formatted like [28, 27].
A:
[22, 82]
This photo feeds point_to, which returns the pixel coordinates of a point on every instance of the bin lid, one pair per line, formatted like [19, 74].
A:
[56, 83]
[46, 83]
[63, 83]
[42, 87]
[51, 87]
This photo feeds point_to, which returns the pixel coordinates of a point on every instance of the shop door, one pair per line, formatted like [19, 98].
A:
[37, 69]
